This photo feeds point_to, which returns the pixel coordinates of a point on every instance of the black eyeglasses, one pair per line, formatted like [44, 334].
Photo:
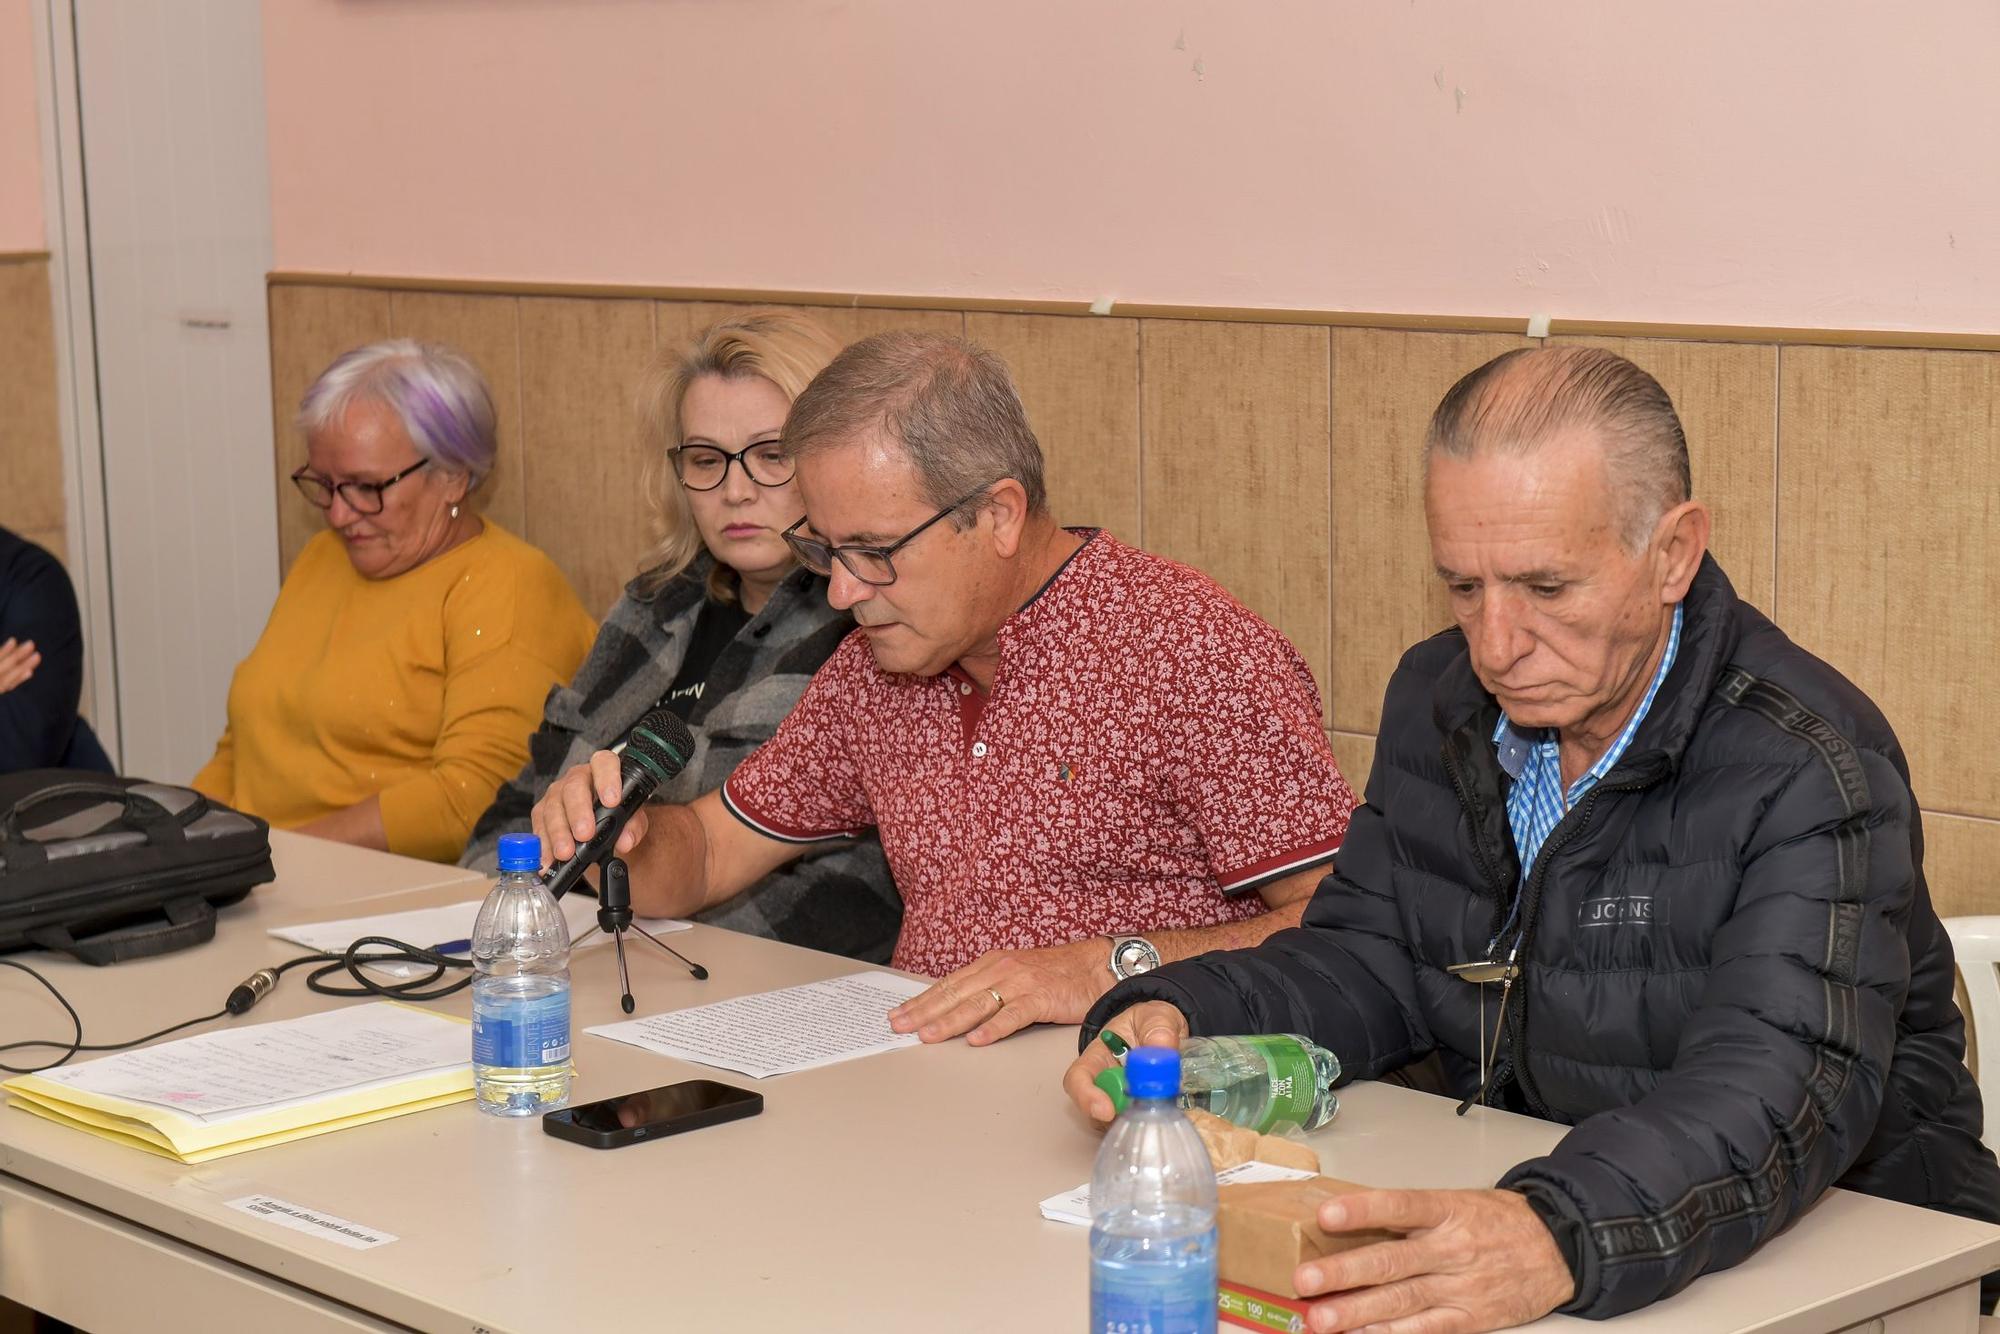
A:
[361, 497]
[704, 467]
[871, 565]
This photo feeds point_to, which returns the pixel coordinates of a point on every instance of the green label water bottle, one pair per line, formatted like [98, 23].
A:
[1258, 1080]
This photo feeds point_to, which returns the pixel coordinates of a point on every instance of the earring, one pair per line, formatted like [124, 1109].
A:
[454, 511]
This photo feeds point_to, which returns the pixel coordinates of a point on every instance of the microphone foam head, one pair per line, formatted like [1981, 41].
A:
[660, 744]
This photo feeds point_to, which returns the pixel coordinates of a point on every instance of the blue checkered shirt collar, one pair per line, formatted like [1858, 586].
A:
[1536, 803]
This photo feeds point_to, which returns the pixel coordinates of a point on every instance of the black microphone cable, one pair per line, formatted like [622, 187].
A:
[77, 1044]
[351, 961]
[426, 987]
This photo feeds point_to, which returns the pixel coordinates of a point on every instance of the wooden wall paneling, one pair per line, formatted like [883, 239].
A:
[1386, 595]
[851, 324]
[1888, 567]
[488, 330]
[679, 323]
[1885, 491]
[847, 324]
[676, 323]
[1234, 480]
[310, 326]
[1962, 864]
[581, 360]
[31, 465]
[1726, 394]
[1079, 378]
[695, 317]
[1355, 753]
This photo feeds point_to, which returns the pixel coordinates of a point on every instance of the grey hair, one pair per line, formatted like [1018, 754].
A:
[1521, 399]
[436, 391]
[949, 402]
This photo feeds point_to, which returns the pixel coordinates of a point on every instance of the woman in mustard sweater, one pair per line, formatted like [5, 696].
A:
[404, 665]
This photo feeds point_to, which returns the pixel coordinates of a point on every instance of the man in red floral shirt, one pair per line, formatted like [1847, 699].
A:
[1082, 760]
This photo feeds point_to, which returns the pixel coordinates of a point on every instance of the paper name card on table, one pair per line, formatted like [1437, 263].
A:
[425, 927]
[247, 1087]
[779, 1032]
[1073, 1206]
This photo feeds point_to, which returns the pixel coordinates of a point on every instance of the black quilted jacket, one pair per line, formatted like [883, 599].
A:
[1735, 987]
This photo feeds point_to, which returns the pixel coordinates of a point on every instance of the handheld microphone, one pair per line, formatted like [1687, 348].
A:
[658, 748]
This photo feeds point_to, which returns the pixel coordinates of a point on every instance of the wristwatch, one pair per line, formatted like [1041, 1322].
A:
[1131, 956]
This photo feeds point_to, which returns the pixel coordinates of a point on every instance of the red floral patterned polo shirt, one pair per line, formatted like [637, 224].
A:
[1150, 753]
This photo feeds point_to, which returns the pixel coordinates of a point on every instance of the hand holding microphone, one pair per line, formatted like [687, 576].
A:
[599, 810]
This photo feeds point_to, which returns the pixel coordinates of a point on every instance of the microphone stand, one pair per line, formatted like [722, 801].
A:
[614, 919]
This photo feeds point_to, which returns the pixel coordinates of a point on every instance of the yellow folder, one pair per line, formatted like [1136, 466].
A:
[191, 1139]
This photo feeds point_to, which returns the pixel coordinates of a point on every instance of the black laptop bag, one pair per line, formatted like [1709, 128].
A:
[108, 869]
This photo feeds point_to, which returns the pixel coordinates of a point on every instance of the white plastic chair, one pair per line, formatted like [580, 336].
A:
[1975, 941]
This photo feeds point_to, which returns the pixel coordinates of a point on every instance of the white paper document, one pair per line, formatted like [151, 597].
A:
[1073, 1206]
[778, 1032]
[261, 1067]
[426, 927]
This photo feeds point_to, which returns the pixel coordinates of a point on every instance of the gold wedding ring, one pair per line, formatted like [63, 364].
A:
[998, 1003]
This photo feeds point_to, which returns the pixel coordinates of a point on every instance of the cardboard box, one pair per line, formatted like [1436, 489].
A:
[1267, 1229]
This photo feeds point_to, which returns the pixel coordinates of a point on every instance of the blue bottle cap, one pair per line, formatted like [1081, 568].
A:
[520, 852]
[1153, 1072]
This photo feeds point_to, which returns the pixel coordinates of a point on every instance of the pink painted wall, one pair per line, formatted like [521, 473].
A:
[1793, 162]
[20, 132]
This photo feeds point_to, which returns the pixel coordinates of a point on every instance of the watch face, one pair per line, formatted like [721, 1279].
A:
[1136, 956]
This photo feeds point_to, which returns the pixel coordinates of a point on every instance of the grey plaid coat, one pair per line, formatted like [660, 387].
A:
[842, 900]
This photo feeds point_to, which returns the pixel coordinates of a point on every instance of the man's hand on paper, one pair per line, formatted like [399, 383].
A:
[1149, 1024]
[1055, 985]
[567, 813]
[1469, 1260]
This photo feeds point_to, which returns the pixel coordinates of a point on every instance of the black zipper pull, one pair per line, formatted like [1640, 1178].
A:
[1478, 1097]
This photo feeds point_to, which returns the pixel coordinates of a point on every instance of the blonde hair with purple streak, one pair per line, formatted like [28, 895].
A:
[436, 391]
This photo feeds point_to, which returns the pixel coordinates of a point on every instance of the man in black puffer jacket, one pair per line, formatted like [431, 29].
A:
[1684, 852]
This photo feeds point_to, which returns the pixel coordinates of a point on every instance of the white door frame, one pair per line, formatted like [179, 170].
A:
[89, 546]
[157, 191]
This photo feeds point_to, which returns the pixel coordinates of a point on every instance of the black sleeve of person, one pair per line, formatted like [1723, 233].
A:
[38, 717]
[1565, 1224]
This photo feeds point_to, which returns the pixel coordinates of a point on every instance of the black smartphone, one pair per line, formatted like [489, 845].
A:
[667, 1110]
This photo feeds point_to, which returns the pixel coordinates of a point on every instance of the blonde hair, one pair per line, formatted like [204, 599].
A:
[783, 347]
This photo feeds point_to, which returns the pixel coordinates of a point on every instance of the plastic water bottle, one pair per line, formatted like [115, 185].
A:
[520, 995]
[1152, 1204]
[1261, 1080]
